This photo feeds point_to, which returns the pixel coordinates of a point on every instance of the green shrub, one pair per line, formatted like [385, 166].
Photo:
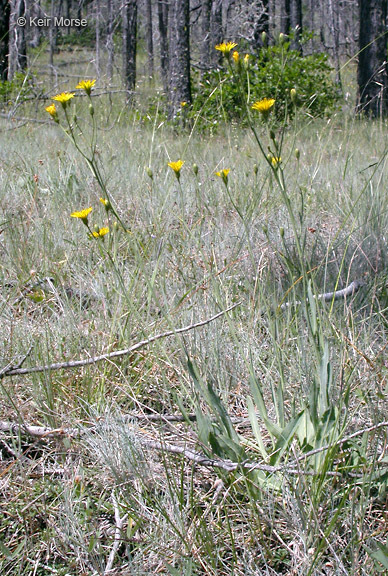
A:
[273, 73]
[20, 86]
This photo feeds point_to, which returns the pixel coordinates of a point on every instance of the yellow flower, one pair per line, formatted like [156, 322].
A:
[106, 203]
[246, 60]
[101, 232]
[183, 104]
[275, 161]
[264, 106]
[82, 215]
[176, 167]
[236, 56]
[53, 112]
[224, 175]
[226, 48]
[86, 85]
[64, 98]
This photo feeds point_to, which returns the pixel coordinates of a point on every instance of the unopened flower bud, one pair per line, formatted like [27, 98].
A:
[281, 232]
[282, 38]
[297, 153]
[264, 38]
[293, 95]
[255, 169]
[91, 109]
[150, 173]
[195, 169]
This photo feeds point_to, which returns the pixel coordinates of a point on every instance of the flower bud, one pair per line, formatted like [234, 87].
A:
[255, 169]
[272, 135]
[264, 38]
[281, 232]
[91, 109]
[150, 173]
[297, 153]
[282, 38]
[293, 95]
[195, 169]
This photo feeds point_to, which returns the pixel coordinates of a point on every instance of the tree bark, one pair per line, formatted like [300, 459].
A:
[217, 31]
[129, 46]
[109, 40]
[163, 41]
[180, 84]
[205, 33]
[335, 32]
[4, 37]
[17, 54]
[150, 39]
[285, 17]
[295, 22]
[372, 74]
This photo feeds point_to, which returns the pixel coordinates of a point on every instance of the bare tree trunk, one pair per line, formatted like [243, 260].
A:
[109, 40]
[217, 31]
[4, 37]
[35, 12]
[285, 17]
[180, 84]
[129, 46]
[150, 40]
[372, 66]
[295, 21]
[205, 33]
[163, 8]
[334, 29]
[17, 55]
[98, 47]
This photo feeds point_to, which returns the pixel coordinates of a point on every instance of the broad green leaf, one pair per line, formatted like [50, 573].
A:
[256, 428]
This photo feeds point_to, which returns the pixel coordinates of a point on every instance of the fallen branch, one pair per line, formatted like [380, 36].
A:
[198, 457]
[14, 370]
[330, 296]
[118, 535]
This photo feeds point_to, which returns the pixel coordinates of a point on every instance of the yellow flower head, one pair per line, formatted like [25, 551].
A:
[236, 56]
[246, 60]
[176, 167]
[264, 106]
[226, 47]
[86, 85]
[106, 203]
[53, 112]
[275, 161]
[64, 98]
[82, 215]
[183, 104]
[224, 175]
[101, 232]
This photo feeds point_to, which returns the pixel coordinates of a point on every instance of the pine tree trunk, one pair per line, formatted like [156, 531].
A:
[163, 41]
[98, 43]
[150, 39]
[295, 22]
[17, 54]
[129, 46]
[109, 41]
[205, 33]
[372, 65]
[285, 17]
[179, 85]
[334, 29]
[217, 31]
[4, 37]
